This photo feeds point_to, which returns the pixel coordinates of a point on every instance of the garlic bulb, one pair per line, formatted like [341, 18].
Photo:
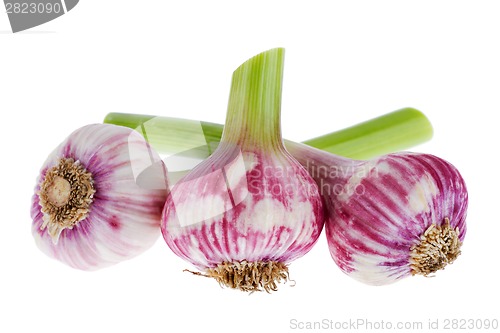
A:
[250, 209]
[398, 215]
[99, 197]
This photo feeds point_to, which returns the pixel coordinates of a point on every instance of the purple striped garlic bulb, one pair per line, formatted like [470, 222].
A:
[250, 209]
[398, 215]
[99, 197]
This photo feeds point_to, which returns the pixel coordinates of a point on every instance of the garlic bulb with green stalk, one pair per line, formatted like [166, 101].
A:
[244, 214]
[391, 217]
[94, 204]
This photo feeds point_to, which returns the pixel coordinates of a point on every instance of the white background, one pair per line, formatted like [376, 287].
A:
[345, 62]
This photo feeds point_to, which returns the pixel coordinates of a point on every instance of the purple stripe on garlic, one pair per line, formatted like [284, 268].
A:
[89, 210]
[395, 216]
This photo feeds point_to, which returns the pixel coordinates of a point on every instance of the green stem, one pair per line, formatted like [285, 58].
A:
[391, 132]
[253, 115]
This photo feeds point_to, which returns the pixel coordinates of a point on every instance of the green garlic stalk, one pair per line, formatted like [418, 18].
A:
[388, 133]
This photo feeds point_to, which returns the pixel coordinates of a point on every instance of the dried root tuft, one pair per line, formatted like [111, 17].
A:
[438, 247]
[248, 276]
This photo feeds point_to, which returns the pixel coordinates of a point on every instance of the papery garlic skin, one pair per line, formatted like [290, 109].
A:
[124, 213]
[277, 217]
[380, 211]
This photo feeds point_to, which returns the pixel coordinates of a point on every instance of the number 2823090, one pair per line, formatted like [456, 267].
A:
[32, 8]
